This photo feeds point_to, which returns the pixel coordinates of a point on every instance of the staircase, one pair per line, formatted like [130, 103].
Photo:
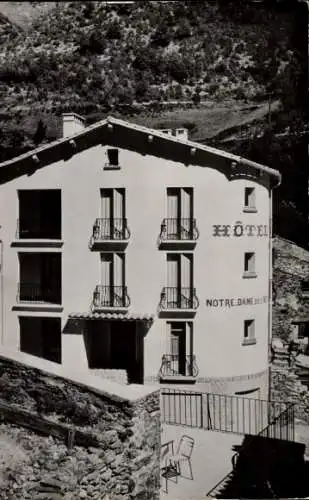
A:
[266, 468]
[269, 465]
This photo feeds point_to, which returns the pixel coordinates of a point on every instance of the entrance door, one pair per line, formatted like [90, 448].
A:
[126, 349]
[97, 343]
[178, 348]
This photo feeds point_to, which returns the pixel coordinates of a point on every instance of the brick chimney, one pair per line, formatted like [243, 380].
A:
[180, 133]
[71, 124]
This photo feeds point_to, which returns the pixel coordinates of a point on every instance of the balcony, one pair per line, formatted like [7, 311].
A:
[109, 234]
[178, 233]
[36, 234]
[110, 298]
[38, 297]
[175, 301]
[176, 368]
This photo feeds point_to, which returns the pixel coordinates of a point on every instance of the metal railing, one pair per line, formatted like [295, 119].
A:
[110, 296]
[179, 229]
[178, 298]
[35, 230]
[37, 293]
[110, 229]
[281, 427]
[173, 365]
[226, 413]
[180, 407]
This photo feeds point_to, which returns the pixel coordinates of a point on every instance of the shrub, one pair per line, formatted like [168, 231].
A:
[114, 31]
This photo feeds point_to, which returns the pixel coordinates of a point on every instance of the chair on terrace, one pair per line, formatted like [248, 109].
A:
[169, 470]
[183, 454]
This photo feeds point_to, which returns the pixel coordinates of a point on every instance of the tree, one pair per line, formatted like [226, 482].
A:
[196, 98]
[162, 36]
[40, 133]
[114, 31]
[141, 90]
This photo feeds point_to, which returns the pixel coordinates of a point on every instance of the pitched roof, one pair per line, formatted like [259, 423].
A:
[182, 150]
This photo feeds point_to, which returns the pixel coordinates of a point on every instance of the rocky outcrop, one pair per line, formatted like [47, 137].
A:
[286, 385]
[290, 268]
[123, 465]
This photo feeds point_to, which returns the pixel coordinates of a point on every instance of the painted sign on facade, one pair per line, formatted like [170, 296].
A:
[240, 301]
[239, 229]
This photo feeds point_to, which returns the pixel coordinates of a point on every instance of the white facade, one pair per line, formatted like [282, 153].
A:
[225, 335]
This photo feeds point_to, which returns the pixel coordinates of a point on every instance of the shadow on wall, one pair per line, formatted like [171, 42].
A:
[268, 468]
[74, 327]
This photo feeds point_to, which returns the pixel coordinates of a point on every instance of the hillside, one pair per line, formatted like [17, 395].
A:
[157, 63]
[91, 57]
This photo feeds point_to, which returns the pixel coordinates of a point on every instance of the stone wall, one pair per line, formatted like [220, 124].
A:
[124, 465]
[290, 267]
[286, 386]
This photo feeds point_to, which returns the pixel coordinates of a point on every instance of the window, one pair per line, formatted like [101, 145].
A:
[179, 269]
[112, 225]
[249, 205]
[113, 269]
[40, 277]
[179, 222]
[180, 203]
[112, 290]
[179, 292]
[112, 158]
[249, 265]
[39, 214]
[249, 332]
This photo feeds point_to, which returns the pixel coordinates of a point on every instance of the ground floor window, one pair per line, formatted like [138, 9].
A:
[41, 337]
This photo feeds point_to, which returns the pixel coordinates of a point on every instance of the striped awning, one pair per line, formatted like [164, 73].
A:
[113, 316]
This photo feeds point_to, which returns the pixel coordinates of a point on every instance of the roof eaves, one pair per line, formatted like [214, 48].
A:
[157, 133]
[52, 144]
[208, 149]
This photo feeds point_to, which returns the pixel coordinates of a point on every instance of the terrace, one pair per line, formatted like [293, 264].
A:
[252, 454]
[211, 461]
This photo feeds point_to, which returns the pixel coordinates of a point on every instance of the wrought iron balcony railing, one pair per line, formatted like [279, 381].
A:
[37, 293]
[110, 229]
[179, 229]
[175, 365]
[178, 298]
[33, 230]
[110, 296]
